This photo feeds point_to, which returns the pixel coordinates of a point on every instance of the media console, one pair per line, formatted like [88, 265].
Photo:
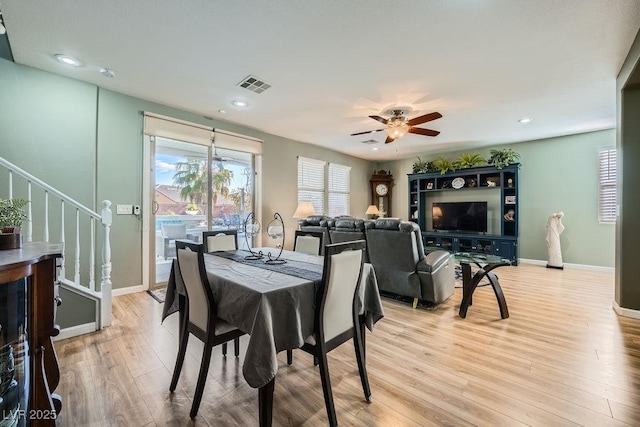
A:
[498, 187]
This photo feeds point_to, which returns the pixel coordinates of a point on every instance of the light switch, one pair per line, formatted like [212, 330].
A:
[124, 209]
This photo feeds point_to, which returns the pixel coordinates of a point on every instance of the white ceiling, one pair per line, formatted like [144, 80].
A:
[483, 64]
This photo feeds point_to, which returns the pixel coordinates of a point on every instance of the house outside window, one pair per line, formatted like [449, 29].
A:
[607, 199]
[326, 185]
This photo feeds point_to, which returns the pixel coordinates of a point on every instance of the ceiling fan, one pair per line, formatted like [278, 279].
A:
[398, 125]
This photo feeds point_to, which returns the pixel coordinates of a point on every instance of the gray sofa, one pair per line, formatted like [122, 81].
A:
[395, 249]
[347, 230]
[397, 254]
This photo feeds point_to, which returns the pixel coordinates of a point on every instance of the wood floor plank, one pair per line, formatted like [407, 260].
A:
[563, 357]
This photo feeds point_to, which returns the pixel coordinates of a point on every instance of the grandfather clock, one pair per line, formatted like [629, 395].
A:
[381, 186]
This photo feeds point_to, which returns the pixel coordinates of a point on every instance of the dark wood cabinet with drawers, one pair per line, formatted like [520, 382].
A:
[29, 366]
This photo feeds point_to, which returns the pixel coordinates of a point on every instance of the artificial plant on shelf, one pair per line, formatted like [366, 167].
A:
[12, 215]
[423, 166]
[444, 165]
[469, 160]
[503, 157]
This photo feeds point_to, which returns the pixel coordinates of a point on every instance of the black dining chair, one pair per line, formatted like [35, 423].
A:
[223, 240]
[336, 316]
[308, 242]
[200, 318]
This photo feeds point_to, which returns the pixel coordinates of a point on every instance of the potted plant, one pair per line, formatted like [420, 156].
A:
[191, 209]
[503, 157]
[444, 165]
[12, 216]
[469, 160]
[423, 166]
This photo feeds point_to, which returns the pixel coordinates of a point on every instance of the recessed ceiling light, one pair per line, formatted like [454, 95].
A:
[524, 120]
[375, 148]
[239, 103]
[222, 111]
[107, 72]
[66, 59]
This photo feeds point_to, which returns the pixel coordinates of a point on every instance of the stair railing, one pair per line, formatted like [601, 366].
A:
[102, 296]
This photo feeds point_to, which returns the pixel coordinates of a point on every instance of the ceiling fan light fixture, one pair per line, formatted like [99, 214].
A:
[396, 131]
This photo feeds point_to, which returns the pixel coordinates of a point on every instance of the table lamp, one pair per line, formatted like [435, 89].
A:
[304, 209]
[372, 211]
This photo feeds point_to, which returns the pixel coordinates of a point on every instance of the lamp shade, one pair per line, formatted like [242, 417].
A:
[304, 210]
[372, 210]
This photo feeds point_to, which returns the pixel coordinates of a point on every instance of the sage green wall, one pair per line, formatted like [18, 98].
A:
[627, 291]
[87, 142]
[557, 174]
[120, 172]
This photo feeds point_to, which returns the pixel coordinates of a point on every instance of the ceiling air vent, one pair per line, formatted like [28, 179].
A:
[370, 141]
[254, 84]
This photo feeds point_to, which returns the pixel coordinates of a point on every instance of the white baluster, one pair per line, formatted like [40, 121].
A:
[10, 184]
[76, 266]
[105, 285]
[63, 272]
[29, 214]
[46, 216]
[92, 256]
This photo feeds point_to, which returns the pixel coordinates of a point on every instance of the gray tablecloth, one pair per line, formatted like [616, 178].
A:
[275, 309]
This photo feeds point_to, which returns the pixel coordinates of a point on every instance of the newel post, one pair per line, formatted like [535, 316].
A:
[105, 284]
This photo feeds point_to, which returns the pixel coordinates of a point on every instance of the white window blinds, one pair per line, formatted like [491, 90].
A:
[339, 186]
[607, 191]
[311, 182]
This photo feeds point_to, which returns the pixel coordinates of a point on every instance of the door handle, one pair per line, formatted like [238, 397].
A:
[155, 207]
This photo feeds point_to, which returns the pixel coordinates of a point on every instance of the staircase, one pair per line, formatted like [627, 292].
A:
[85, 229]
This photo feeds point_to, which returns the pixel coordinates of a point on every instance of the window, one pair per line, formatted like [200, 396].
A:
[328, 195]
[338, 196]
[607, 202]
[311, 182]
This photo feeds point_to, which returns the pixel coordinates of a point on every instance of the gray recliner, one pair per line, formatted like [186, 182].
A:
[396, 252]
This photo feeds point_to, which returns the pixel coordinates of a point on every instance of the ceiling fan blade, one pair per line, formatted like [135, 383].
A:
[389, 139]
[369, 131]
[423, 119]
[426, 132]
[380, 119]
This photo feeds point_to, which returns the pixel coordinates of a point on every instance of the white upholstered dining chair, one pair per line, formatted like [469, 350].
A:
[200, 318]
[308, 242]
[224, 240]
[336, 316]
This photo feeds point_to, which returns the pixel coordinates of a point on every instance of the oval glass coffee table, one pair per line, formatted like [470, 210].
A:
[486, 263]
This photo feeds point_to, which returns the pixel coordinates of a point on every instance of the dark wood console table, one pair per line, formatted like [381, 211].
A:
[487, 263]
[35, 262]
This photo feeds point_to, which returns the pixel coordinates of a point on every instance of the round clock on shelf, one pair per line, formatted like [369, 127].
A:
[381, 186]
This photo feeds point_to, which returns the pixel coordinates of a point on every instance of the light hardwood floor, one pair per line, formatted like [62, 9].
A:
[562, 358]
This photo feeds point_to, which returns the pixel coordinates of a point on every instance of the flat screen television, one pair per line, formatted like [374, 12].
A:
[460, 216]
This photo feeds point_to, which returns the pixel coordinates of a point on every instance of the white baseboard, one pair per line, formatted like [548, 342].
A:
[74, 331]
[570, 265]
[626, 312]
[124, 291]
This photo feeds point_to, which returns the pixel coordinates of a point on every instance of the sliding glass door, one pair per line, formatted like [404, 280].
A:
[180, 199]
[195, 188]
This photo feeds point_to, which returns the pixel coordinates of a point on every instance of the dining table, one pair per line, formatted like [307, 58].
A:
[273, 303]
